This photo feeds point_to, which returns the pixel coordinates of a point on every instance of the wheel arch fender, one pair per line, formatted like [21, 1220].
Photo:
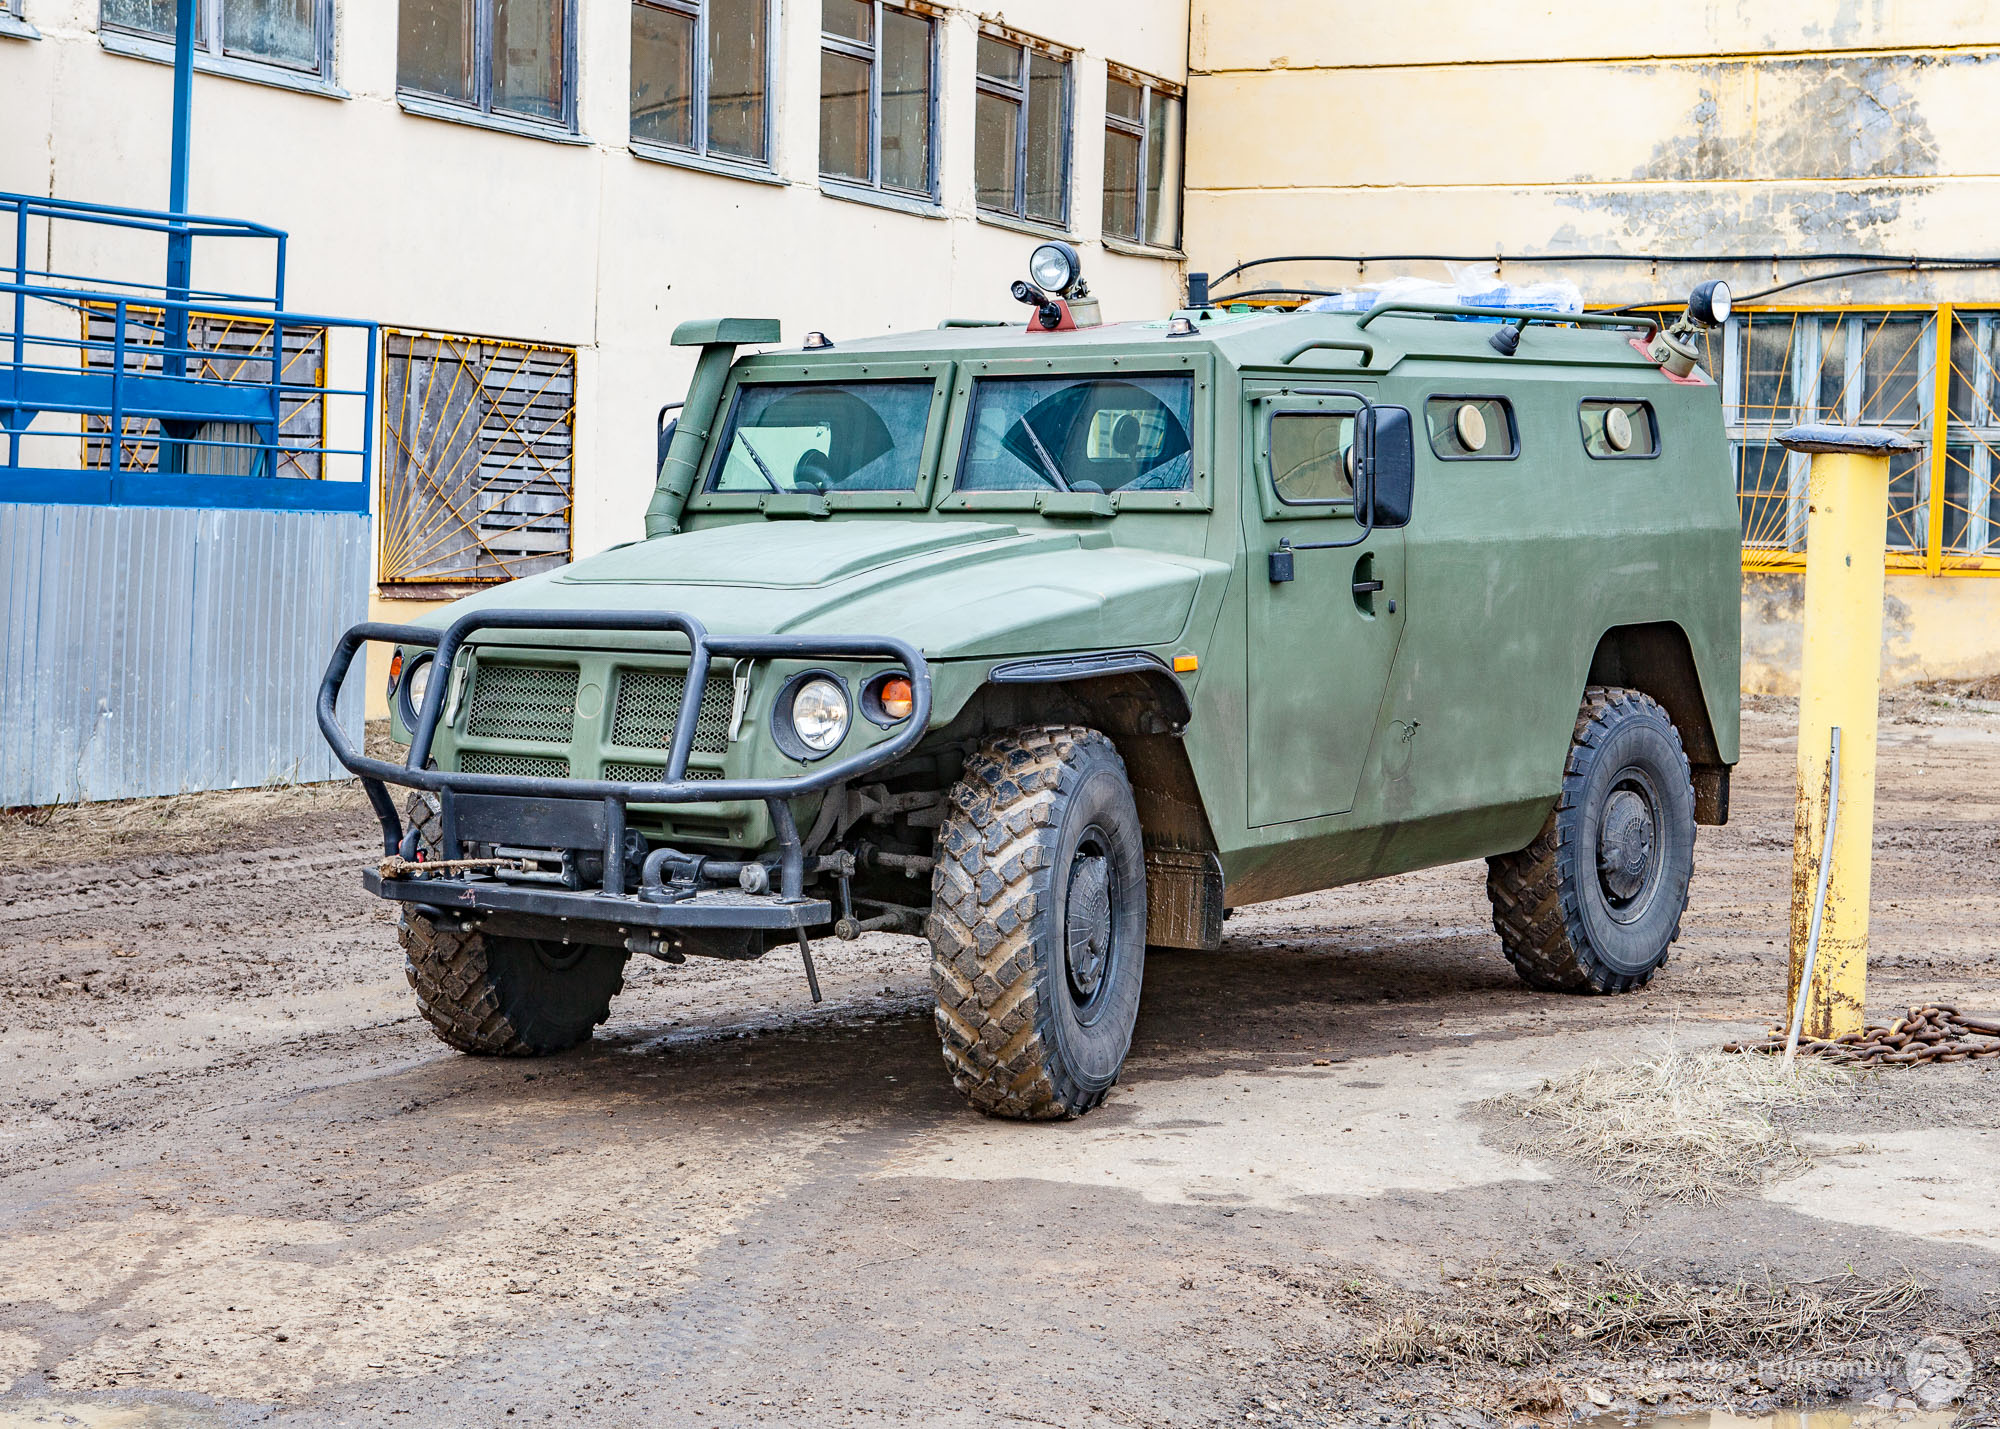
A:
[1657, 659]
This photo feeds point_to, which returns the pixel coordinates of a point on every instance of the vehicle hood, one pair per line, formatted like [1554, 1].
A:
[954, 589]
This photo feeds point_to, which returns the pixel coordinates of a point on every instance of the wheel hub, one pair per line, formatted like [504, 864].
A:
[1625, 844]
[1088, 925]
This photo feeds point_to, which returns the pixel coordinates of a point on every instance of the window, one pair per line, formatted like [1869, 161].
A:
[1021, 139]
[827, 437]
[1310, 456]
[877, 69]
[477, 459]
[1472, 428]
[13, 23]
[700, 74]
[507, 58]
[230, 349]
[1617, 429]
[1142, 162]
[1070, 434]
[291, 34]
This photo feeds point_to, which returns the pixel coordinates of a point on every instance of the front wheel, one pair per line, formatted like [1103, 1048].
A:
[1594, 904]
[1038, 923]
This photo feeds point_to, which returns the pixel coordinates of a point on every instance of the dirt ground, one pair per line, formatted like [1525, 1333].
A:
[241, 1183]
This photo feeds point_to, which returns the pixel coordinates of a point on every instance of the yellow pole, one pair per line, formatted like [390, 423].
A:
[1846, 518]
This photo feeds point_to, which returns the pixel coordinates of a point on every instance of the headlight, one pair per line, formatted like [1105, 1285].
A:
[820, 714]
[1054, 268]
[416, 680]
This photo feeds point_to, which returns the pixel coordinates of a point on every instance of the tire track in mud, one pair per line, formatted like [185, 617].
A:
[29, 898]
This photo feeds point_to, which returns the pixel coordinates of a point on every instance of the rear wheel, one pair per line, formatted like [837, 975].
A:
[513, 997]
[1594, 904]
[1038, 923]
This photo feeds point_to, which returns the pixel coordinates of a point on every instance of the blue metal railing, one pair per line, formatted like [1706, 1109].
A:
[127, 352]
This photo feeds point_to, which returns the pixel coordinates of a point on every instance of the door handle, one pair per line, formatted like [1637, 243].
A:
[1367, 587]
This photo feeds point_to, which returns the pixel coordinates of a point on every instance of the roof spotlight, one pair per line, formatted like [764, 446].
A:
[1055, 268]
[1674, 349]
[1708, 305]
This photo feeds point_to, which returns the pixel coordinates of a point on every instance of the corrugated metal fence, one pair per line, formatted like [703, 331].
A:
[150, 650]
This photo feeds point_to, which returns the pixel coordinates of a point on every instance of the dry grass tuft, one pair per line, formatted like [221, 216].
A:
[1522, 1318]
[1685, 1125]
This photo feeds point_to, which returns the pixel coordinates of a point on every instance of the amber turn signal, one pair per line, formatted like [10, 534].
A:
[897, 698]
[395, 670]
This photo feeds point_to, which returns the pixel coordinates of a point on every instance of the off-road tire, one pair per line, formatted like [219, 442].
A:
[1557, 903]
[502, 997]
[1035, 1008]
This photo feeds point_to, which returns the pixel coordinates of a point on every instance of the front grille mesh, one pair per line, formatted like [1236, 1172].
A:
[650, 700]
[652, 773]
[523, 702]
[534, 766]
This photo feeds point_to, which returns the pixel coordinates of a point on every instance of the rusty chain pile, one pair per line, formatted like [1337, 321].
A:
[1928, 1033]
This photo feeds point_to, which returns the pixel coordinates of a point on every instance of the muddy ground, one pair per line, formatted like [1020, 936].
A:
[240, 1182]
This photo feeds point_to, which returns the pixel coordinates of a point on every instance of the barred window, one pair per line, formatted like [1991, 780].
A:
[292, 34]
[477, 460]
[700, 73]
[225, 349]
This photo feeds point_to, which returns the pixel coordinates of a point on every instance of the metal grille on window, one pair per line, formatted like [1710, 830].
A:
[477, 458]
[523, 702]
[231, 349]
[650, 700]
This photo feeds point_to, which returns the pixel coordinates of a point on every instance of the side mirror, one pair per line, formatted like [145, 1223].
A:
[1386, 475]
[666, 439]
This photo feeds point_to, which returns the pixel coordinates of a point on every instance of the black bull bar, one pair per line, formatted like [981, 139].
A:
[596, 807]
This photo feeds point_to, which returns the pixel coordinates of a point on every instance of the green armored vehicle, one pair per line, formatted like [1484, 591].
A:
[1054, 642]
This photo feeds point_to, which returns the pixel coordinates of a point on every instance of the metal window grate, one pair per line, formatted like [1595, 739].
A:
[477, 458]
[533, 766]
[523, 702]
[652, 773]
[649, 701]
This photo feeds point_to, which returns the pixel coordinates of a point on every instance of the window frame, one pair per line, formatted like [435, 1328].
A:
[14, 22]
[480, 110]
[209, 54]
[958, 438]
[1147, 86]
[1513, 451]
[938, 374]
[1016, 94]
[1652, 416]
[870, 52]
[699, 154]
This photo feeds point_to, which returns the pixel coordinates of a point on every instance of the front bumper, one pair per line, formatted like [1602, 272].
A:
[590, 813]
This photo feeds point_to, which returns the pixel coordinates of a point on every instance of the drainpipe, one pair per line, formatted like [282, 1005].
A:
[718, 339]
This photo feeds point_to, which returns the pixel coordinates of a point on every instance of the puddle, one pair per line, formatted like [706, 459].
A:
[102, 1414]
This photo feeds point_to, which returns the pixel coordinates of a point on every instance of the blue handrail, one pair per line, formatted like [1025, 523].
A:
[147, 371]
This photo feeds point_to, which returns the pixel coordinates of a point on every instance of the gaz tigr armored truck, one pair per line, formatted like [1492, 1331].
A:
[1053, 642]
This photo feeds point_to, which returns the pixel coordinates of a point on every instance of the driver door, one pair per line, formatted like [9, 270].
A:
[1322, 641]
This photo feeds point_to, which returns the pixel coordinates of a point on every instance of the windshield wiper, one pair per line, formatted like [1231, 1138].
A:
[1048, 462]
[762, 466]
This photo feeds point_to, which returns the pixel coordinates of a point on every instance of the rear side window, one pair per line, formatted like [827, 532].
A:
[1310, 452]
[1472, 428]
[1613, 428]
[1079, 434]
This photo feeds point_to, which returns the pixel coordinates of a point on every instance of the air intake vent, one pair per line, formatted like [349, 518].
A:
[652, 773]
[523, 702]
[533, 766]
[650, 700]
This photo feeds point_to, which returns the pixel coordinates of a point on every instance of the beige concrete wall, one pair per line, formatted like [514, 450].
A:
[418, 222]
[1518, 129]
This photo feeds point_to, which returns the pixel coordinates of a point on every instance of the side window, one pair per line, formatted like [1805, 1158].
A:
[1472, 428]
[1613, 429]
[1310, 456]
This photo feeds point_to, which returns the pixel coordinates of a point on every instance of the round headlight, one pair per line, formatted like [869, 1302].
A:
[416, 679]
[1709, 304]
[819, 714]
[1054, 267]
[419, 682]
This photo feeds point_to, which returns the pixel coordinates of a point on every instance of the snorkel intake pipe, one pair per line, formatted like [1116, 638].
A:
[718, 339]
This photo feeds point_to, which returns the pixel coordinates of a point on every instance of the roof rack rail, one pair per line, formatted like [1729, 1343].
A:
[1523, 316]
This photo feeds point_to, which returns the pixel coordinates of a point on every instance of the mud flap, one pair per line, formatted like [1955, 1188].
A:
[1183, 899]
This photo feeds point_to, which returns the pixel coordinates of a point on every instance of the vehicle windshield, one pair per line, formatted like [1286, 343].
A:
[1079, 434]
[827, 437]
